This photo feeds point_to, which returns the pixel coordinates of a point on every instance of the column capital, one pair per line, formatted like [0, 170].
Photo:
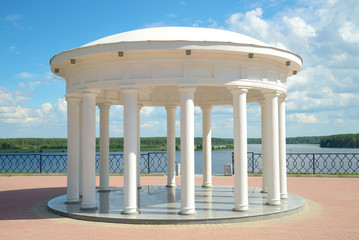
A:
[170, 107]
[206, 107]
[271, 94]
[129, 90]
[283, 98]
[186, 89]
[139, 107]
[72, 98]
[238, 89]
[104, 105]
[89, 94]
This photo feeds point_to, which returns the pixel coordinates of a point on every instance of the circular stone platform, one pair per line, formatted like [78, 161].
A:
[160, 205]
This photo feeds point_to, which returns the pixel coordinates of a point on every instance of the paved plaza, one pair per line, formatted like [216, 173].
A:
[331, 212]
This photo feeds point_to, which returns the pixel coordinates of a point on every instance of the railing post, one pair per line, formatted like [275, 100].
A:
[313, 163]
[148, 163]
[252, 162]
[40, 163]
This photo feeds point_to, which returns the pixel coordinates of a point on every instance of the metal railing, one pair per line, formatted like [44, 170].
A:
[151, 162]
[156, 162]
[311, 163]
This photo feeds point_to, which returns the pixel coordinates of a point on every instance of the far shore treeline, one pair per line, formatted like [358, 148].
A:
[159, 143]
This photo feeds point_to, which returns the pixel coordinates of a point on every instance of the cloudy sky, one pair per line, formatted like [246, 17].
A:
[322, 100]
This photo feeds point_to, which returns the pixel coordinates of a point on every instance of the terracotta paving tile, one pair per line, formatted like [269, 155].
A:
[332, 212]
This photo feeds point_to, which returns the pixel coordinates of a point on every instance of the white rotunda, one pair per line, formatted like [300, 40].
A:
[174, 67]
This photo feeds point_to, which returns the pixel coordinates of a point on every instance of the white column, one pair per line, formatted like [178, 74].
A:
[138, 157]
[207, 146]
[88, 148]
[187, 150]
[171, 146]
[104, 147]
[240, 149]
[264, 149]
[130, 151]
[273, 148]
[80, 146]
[282, 150]
[73, 149]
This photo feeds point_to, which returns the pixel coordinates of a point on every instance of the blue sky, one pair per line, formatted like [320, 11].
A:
[322, 100]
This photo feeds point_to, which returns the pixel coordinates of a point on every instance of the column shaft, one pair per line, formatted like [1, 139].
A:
[130, 151]
[171, 146]
[273, 148]
[138, 158]
[240, 149]
[282, 150]
[207, 146]
[187, 151]
[88, 143]
[80, 146]
[264, 148]
[73, 149]
[104, 147]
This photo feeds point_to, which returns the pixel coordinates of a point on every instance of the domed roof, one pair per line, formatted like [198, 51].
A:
[168, 34]
[176, 38]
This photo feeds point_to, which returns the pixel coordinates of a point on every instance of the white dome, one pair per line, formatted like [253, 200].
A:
[168, 34]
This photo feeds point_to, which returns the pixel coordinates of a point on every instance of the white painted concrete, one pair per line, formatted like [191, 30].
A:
[130, 151]
[73, 149]
[207, 146]
[187, 151]
[138, 157]
[264, 148]
[282, 149]
[172, 67]
[273, 147]
[240, 149]
[171, 146]
[88, 142]
[104, 146]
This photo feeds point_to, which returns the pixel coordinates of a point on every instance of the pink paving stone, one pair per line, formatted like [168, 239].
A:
[338, 198]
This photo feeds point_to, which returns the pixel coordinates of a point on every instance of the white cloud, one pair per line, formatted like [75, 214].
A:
[250, 23]
[299, 27]
[304, 118]
[213, 24]
[147, 111]
[349, 32]
[197, 23]
[24, 75]
[150, 124]
[13, 112]
[156, 24]
[13, 17]
[171, 15]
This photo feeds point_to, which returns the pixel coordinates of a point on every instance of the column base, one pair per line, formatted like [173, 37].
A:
[171, 186]
[130, 211]
[105, 189]
[274, 202]
[187, 212]
[91, 206]
[243, 208]
[207, 186]
[71, 201]
[283, 196]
